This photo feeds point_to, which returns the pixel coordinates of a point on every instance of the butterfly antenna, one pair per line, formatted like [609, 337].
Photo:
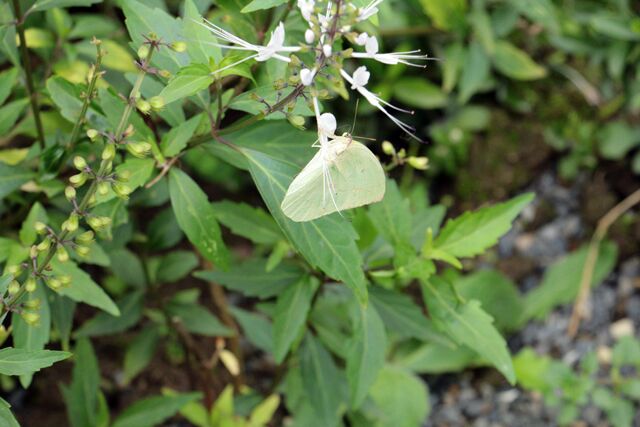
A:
[355, 116]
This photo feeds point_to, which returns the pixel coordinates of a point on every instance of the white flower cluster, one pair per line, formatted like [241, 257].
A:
[328, 20]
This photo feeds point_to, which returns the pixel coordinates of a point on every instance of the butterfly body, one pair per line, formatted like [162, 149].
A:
[343, 174]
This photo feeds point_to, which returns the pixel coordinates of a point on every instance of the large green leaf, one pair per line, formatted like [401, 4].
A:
[262, 4]
[327, 243]
[472, 233]
[252, 223]
[446, 14]
[6, 417]
[475, 71]
[41, 5]
[561, 281]
[202, 42]
[19, 361]
[291, 314]
[196, 218]
[83, 288]
[515, 63]
[8, 79]
[188, 81]
[154, 410]
[11, 178]
[130, 308]
[366, 353]
[467, 324]
[321, 380]
[82, 394]
[198, 320]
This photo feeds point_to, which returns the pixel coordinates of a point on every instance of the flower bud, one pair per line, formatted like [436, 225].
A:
[44, 245]
[71, 224]
[30, 284]
[30, 317]
[33, 251]
[178, 46]
[103, 188]
[157, 102]
[388, 148]
[79, 163]
[327, 50]
[122, 190]
[421, 163]
[297, 121]
[92, 134]
[143, 51]
[13, 287]
[143, 106]
[64, 279]
[78, 180]
[83, 251]
[85, 238]
[109, 152]
[99, 222]
[70, 193]
[62, 254]
[40, 227]
[138, 149]
[309, 36]
[14, 269]
[164, 73]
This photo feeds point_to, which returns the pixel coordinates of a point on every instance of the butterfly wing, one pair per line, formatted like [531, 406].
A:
[356, 179]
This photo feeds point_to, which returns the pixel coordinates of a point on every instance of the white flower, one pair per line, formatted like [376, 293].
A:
[273, 49]
[309, 36]
[371, 51]
[327, 124]
[358, 81]
[306, 76]
[368, 11]
[362, 39]
[306, 8]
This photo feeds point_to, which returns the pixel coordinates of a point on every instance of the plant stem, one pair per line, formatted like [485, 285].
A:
[580, 307]
[92, 188]
[26, 61]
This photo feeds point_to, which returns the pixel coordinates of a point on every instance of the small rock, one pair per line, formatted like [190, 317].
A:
[604, 355]
[622, 328]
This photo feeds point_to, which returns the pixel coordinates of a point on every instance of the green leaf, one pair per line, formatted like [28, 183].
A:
[515, 63]
[32, 337]
[256, 327]
[66, 96]
[41, 5]
[366, 353]
[252, 279]
[196, 218]
[498, 296]
[616, 139]
[402, 316]
[8, 79]
[614, 26]
[201, 41]
[467, 324]
[249, 222]
[419, 93]
[174, 141]
[83, 288]
[475, 71]
[262, 4]
[130, 308]
[472, 233]
[291, 314]
[28, 233]
[448, 15]
[154, 410]
[435, 358]
[19, 361]
[198, 320]
[188, 81]
[328, 242]
[6, 417]
[10, 113]
[140, 352]
[82, 394]
[402, 399]
[321, 381]
[175, 266]
[561, 281]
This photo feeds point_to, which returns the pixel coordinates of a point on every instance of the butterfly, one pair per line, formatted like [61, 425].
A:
[344, 174]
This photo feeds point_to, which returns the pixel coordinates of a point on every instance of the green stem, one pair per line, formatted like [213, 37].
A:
[26, 60]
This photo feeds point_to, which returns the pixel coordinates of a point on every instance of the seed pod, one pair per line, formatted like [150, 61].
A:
[103, 188]
[123, 176]
[78, 180]
[44, 245]
[71, 224]
[138, 149]
[70, 193]
[420, 163]
[178, 46]
[14, 270]
[122, 190]
[388, 148]
[157, 102]
[92, 134]
[62, 254]
[83, 251]
[54, 283]
[79, 163]
[33, 304]
[164, 73]
[33, 251]
[109, 152]
[64, 279]
[40, 227]
[143, 51]
[143, 105]
[13, 287]
[85, 238]
[30, 317]
[30, 284]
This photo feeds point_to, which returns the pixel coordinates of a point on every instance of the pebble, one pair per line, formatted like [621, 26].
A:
[622, 328]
